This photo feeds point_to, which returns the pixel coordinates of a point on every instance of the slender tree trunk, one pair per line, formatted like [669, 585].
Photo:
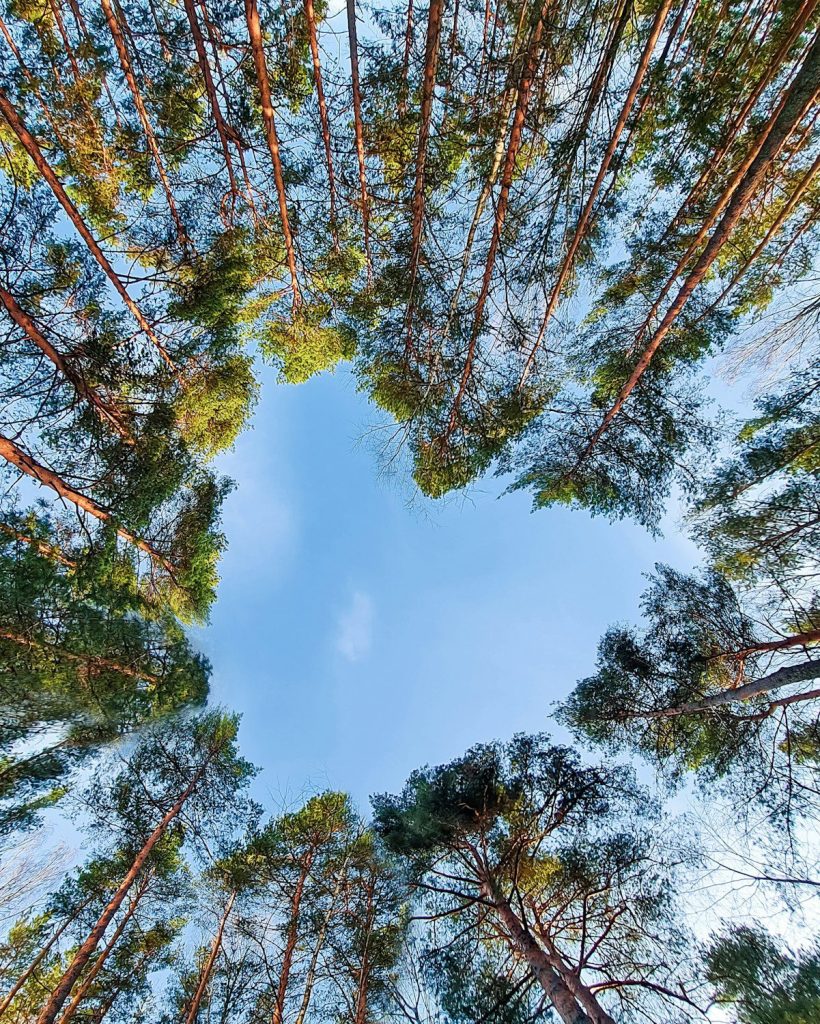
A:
[583, 221]
[358, 129]
[42, 547]
[290, 944]
[61, 992]
[106, 412]
[258, 50]
[486, 191]
[27, 464]
[799, 99]
[431, 52]
[324, 121]
[207, 970]
[142, 113]
[210, 90]
[554, 986]
[9, 997]
[91, 661]
[99, 963]
[786, 676]
[32, 81]
[29, 143]
[804, 13]
[516, 132]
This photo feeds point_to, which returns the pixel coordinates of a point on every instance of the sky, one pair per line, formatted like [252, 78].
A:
[362, 631]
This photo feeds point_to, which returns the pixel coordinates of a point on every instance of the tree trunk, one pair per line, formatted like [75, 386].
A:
[207, 970]
[431, 52]
[99, 963]
[58, 997]
[91, 661]
[29, 143]
[42, 547]
[290, 944]
[210, 89]
[353, 41]
[142, 113]
[583, 221]
[108, 414]
[310, 15]
[799, 99]
[26, 464]
[785, 676]
[516, 132]
[555, 988]
[9, 997]
[258, 50]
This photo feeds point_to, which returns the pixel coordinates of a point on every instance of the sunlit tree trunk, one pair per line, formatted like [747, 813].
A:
[56, 1000]
[27, 464]
[272, 139]
[29, 143]
[106, 412]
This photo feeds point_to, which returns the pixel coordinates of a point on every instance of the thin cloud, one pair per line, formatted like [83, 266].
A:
[354, 629]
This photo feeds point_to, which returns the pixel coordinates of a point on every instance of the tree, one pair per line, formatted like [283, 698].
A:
[526, 849]
[762, 981]
[702, 687]
[193, 766]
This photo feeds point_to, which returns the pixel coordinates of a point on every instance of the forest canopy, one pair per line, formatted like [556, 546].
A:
[532, 231]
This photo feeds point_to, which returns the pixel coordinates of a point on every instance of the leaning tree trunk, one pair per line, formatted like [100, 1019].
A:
[358, 130]
[41, 955]
[583, 221]
[799, 99]
[27, 464]
[513, 147]
[106, 412]
[29, 143]
[555, 988]
[324, 121]
[290, 943]
[99, 963]
[786, 676]
[61, 992]
[142, 113]
[207, 970]
[272, 139]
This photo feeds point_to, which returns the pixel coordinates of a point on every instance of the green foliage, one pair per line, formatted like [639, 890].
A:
[306, 344]
[762, 981]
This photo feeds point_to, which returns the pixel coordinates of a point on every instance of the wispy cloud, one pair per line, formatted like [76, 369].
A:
[354, 627]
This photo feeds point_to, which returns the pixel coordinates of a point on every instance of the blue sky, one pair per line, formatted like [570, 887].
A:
[363, 632]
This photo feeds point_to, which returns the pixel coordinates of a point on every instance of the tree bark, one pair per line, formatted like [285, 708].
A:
[555, 988]
[58, 997]
[109, 415]
[431, 52]
[91, 661]
[30, 145]
[142, 113]
[210, 89]
[583, 221]
[41, 955]
[516, 132]
[99, 963]
[799, 99]
[358, 130]
[27, 464]
[207, 970]
[324, 121]
[786, 676]
[272, 139]
[290, 944]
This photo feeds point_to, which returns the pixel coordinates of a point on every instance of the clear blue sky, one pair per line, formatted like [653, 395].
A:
[362, 635]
